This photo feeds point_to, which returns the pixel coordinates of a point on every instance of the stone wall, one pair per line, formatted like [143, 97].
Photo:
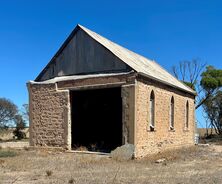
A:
[50, 122]
[49, 116]
[162, 137]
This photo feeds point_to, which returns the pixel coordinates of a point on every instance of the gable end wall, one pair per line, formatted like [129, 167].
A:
[49, 107]
[82, 55]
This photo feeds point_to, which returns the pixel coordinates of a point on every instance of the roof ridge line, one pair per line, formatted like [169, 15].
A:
[82, 27]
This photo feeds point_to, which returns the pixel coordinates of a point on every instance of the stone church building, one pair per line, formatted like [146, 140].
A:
[99, 95]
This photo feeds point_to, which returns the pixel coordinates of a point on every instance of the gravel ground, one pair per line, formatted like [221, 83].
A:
[199, 164]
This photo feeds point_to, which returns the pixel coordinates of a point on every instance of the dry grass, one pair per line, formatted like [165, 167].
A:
[7, 134]
[173, 155]
[189, 165]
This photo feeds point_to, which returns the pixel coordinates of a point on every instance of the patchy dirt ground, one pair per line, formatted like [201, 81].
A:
[200, 164]
[13, 144]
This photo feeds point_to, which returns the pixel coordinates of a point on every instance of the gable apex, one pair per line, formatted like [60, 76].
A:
[80, 54]
[123, 58]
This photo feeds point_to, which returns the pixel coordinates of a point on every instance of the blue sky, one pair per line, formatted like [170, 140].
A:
[166, 31]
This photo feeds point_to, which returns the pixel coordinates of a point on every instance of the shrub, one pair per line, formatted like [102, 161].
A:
[19, 134]
[7, 153]
[20, 125]
[71, 180]
[49, 173]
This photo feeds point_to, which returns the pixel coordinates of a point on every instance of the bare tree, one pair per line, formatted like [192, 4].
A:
[175, 71]
[25, 112]
[189, 72]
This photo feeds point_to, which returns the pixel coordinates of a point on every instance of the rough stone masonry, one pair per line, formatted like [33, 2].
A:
[51, 125]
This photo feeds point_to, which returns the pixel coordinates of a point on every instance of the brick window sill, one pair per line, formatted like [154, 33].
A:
[172, 130]
[151, 130]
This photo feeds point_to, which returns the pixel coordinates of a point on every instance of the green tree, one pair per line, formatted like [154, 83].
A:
[211, 83]
[213, 109]
[8, 110]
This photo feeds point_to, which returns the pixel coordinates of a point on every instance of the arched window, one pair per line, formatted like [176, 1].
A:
[187, 115]
[152, 111]
[172, 113]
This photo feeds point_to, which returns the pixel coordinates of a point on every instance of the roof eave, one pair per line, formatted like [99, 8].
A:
[77, 77]
[168, 84]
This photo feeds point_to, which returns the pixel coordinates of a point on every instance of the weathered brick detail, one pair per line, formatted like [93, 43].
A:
[162, 138]
[49, 116]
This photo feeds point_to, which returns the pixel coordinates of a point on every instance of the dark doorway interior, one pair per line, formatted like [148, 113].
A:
[97, 119]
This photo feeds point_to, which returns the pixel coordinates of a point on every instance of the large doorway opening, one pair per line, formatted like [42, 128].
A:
[96, 119]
